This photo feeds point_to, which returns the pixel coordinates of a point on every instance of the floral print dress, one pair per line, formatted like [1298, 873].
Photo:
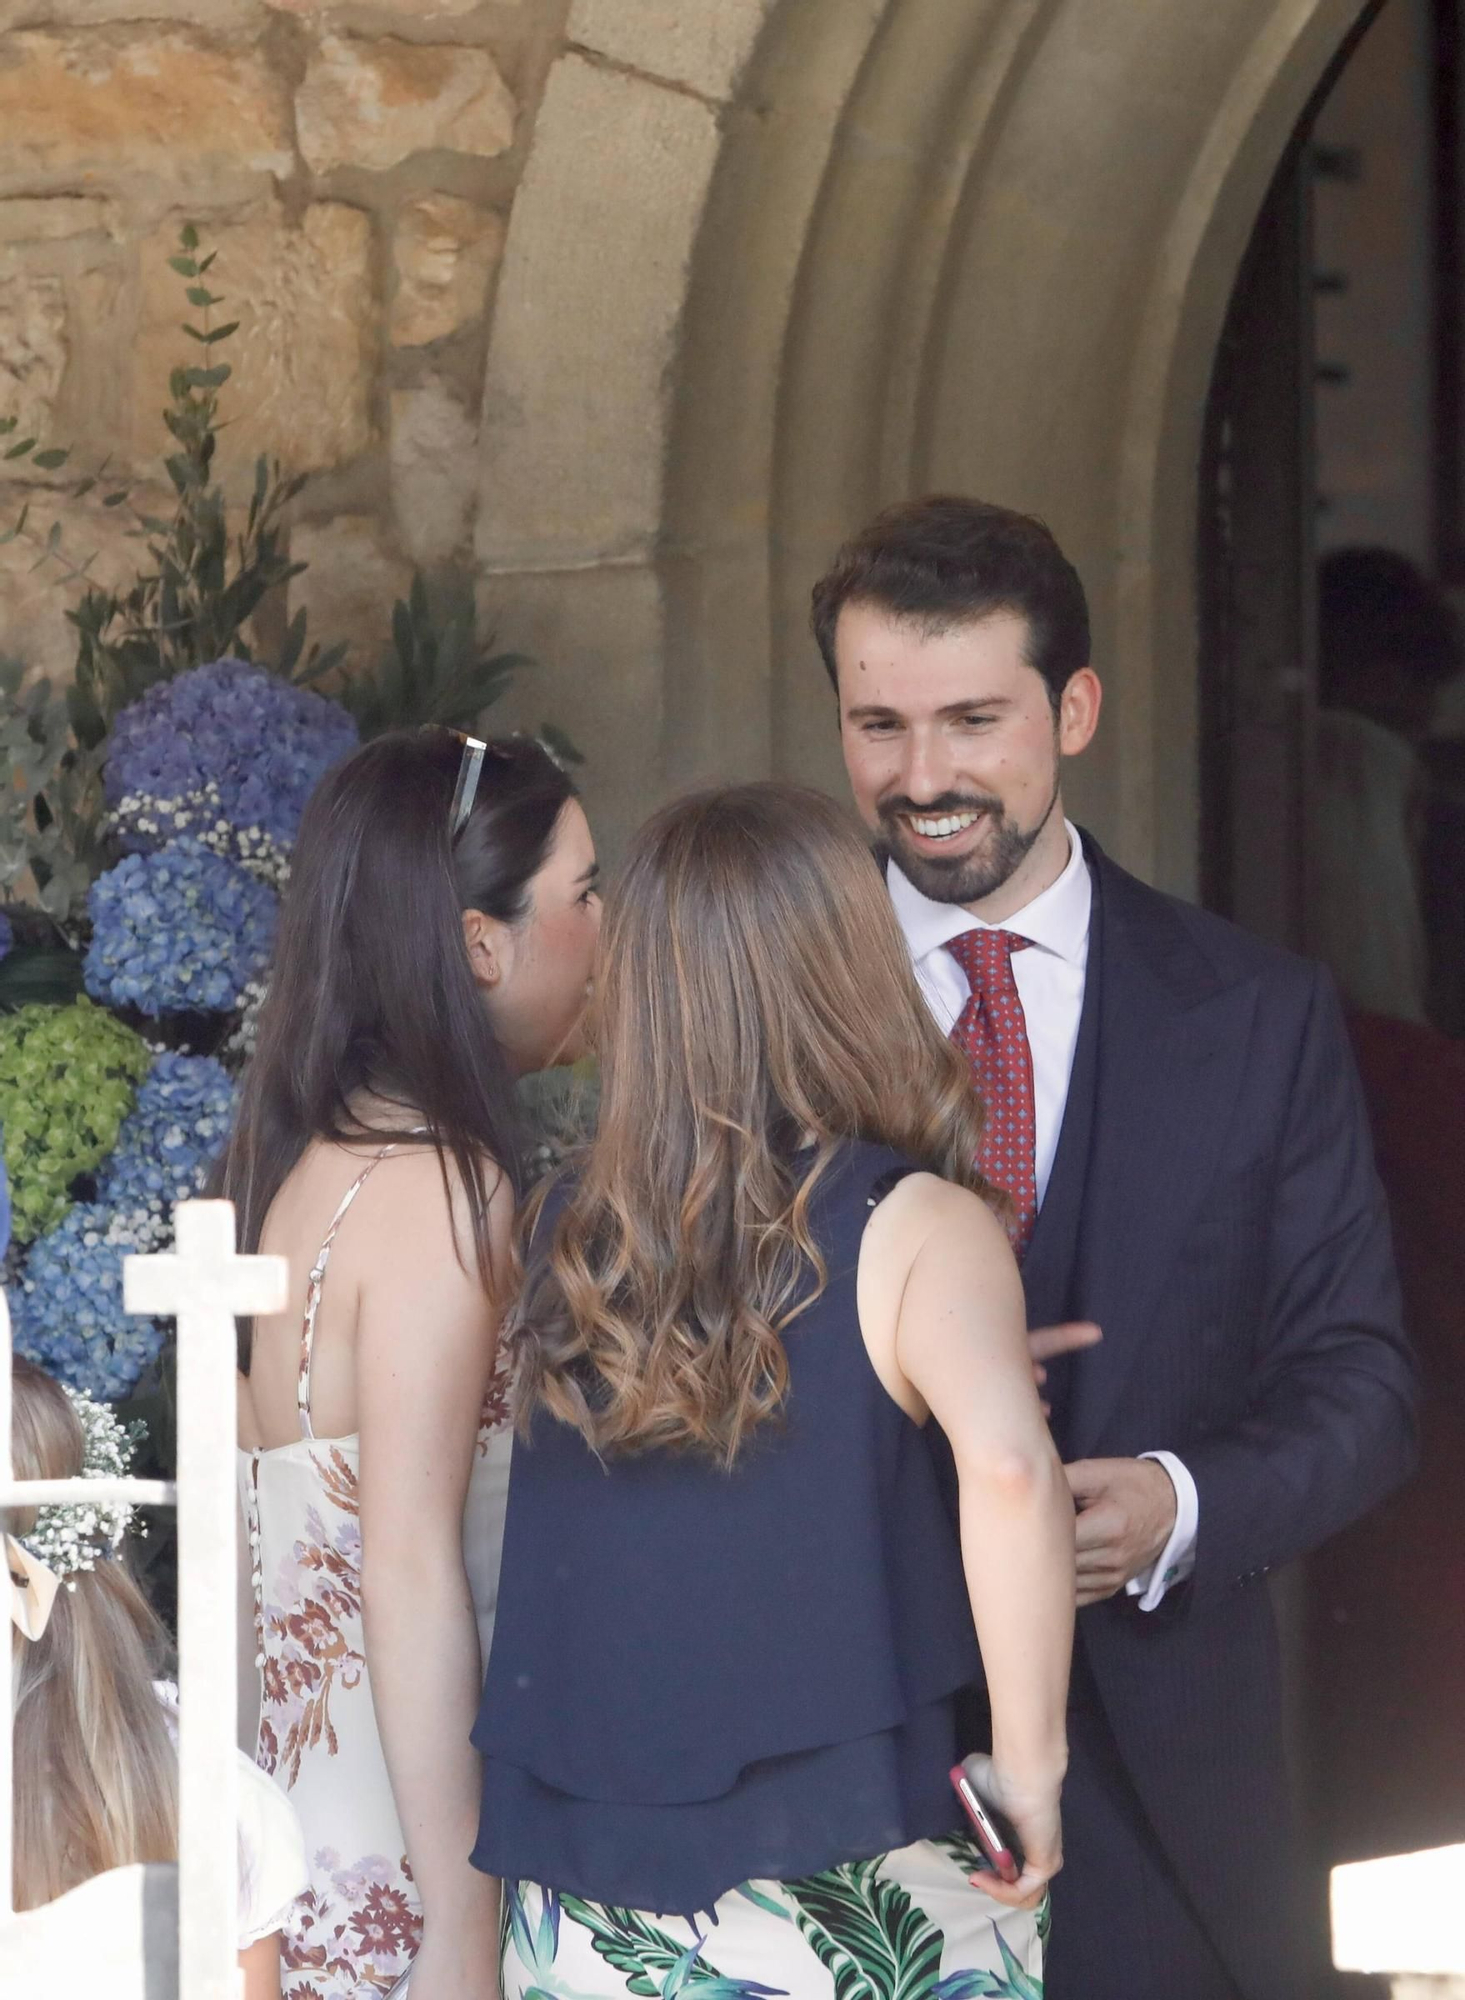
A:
[357, 1927]
[903, 1926]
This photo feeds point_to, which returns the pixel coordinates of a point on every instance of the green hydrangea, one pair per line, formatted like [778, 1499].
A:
[68, 1077]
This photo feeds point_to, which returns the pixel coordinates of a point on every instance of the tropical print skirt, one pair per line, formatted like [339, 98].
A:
[904, 1926]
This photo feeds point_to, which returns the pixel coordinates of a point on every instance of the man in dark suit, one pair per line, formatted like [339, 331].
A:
[1204, 1244]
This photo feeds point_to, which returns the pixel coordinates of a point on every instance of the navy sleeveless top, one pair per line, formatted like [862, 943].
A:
[700, 1676]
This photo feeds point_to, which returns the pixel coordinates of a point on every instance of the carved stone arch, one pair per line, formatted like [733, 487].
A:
[775, 262]
[1014, 263]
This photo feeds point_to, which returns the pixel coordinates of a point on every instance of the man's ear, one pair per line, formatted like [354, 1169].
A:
[490, 948]
[1078, 711]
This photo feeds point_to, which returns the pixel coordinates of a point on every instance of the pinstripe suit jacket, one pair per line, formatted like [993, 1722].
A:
[1214, 1207]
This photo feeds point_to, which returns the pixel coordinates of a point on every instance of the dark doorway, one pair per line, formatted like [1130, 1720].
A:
[1333, 815]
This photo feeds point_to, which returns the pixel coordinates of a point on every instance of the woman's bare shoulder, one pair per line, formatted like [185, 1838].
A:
[923, 1211]
[415, 1211]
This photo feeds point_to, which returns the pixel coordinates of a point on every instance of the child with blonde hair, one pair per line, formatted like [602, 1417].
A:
[95, 1729]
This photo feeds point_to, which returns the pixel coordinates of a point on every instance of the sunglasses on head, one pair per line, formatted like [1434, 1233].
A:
[470, 771]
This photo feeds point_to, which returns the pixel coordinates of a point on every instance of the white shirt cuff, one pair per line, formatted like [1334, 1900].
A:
[1177, 1559]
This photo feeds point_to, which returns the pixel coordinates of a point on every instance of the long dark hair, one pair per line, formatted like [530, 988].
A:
[371, 989]
[753, 992]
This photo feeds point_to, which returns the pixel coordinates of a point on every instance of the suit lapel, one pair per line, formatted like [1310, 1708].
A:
[1172, 1041]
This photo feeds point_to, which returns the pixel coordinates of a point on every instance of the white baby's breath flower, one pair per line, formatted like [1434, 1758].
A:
[74, 1538]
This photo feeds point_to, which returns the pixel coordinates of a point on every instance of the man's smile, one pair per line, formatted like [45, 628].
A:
[943, 826]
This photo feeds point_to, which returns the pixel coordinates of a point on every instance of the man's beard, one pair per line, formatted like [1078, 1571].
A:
[965, 878]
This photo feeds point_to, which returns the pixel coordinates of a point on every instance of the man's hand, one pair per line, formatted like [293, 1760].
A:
[1044, 1342]
[1126, 1510]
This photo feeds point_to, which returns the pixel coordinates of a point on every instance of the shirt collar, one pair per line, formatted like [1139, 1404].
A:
[1055, 921]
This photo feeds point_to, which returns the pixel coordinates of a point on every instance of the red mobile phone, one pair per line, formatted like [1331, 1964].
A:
[995, 1844]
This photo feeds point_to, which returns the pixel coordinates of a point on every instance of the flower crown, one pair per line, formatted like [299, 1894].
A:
[74, 1536]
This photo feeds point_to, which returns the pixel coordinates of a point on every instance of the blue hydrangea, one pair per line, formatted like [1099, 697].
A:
[262, 742]
[182, 928]
[7, 935]
[67, 1309]
[172, 1136]
[66, 1314]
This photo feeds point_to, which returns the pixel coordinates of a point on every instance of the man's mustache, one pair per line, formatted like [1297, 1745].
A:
[938, 808]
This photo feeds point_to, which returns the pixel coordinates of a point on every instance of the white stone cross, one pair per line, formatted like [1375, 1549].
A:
[204, 1284]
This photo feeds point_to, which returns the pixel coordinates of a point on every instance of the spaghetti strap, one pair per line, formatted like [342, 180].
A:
[316, 1284]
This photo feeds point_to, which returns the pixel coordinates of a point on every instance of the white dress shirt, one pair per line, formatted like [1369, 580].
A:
[1049, 977]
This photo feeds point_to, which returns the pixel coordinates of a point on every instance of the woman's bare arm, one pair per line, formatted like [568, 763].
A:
[425, 1343]
[945, 1305]
[260, 1965]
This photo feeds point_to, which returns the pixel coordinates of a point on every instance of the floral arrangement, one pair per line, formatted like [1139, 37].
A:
[67, 1081]
[113, 1112]
[74, 1537]
[145, 837]
[67, 1305]
[228, 750]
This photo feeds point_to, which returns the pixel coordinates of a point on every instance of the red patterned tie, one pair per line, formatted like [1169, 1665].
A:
[993, 1035]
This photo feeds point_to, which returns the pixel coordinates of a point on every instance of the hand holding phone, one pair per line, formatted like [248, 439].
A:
[1018, 1825]
[996, 1839]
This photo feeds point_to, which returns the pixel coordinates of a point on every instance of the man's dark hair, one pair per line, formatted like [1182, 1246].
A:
[946, 561]
[1378, 609]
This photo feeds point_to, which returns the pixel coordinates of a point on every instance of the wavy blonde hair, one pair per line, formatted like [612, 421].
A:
[753, 994]
[96, 1774]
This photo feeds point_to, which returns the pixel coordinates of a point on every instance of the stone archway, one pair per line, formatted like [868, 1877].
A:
[774, 262]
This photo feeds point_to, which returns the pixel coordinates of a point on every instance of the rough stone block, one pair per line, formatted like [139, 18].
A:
[447, 251]
[33, 345]
[583, 346]
[53, 218]
[303, 355]
[434, 457]
[704, 47]
[224, 14]
[406, 10]
[596, 638]
[139, 97]
[372, 103]
[353, 578]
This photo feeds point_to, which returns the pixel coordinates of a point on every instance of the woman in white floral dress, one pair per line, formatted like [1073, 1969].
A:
[436, 943]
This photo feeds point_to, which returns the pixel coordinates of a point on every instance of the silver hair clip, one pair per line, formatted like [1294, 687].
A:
[470, 770]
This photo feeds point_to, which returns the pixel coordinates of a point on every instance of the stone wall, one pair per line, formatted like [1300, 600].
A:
[638, 306]
[354, 168]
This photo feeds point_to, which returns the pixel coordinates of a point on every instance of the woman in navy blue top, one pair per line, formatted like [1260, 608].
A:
[733, 1615]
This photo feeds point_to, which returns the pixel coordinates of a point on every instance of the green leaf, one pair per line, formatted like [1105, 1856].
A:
[195, 333]
[204, 262]
[32, 972]
[220, 333]
[53, 540]
[634, 1947]
[321, 663]
[184, 266]
[200, 295]
[559, 745]
[49, 460]
[188, 236]
[875, 1943]
[294, 644]
[20, 450]
[208, 378]
[114, 499]
[402, 632]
